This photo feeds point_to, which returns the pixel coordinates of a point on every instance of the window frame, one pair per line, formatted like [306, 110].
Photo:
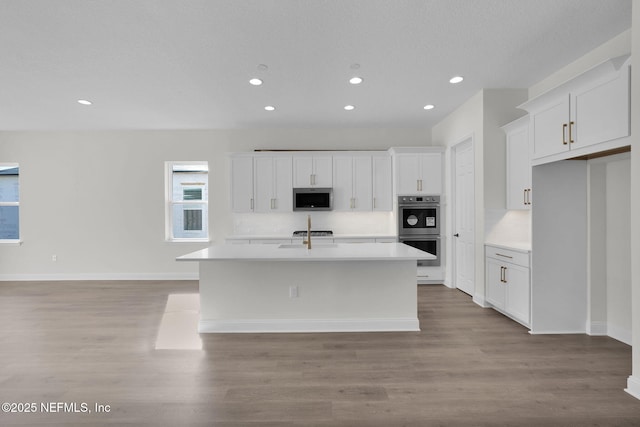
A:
[17, 241]
[170, 203]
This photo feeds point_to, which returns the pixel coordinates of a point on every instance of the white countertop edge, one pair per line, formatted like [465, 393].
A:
[523, 247]
[289, 236]
[338, 253]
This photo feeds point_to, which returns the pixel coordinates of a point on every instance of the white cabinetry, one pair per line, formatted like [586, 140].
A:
[508, 284]
[361, 181]
[312, 171]
[242, 183]
[587, 114]
[382, 182]
[272, 184]
[518, 164]
[352, 183]
[418, 172]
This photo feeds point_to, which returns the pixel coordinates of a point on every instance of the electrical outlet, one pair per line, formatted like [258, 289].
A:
[293, 292]
[54, 258]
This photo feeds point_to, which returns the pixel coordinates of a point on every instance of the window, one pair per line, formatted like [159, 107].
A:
[187, 201]
[9, 202]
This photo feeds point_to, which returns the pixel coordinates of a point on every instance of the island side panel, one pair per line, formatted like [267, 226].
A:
[332, 296]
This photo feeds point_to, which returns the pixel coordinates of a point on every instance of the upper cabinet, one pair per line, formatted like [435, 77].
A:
[352, 182]
[312, 171]
[418, 172]
[587, 114]
[242, 183]
[272, 184]
[518, 164]
[382, 182]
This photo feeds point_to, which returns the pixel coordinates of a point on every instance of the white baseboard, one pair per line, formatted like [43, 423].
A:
[606, 329]
[479, 300]
[559, 332]
[308, 325]
[96, 276]
[620, 334]
[633, 386]
[597, 328]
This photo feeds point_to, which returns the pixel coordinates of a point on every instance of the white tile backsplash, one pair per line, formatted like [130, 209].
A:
[507, 227]
[283, 224]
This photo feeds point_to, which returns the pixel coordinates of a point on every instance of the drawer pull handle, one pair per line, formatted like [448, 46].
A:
[564, 134]
[504, 256]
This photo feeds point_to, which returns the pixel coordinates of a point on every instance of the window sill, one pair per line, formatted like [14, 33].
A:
[10, 242]
[188, 240]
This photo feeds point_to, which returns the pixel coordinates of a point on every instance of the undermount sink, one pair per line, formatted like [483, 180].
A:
[303, 246]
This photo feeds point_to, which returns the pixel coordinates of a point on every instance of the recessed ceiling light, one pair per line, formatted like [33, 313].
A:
[269, 108]
[429, 107]
[84, 102]
[349, 107]
[456, 79]
[355, 80]
[255, 82]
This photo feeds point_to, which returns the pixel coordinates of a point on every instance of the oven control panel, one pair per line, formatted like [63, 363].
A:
[403, 200]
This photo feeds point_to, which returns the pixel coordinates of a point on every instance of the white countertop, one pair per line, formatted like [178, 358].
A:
[331, 252]
[516, 246]
[290, 237]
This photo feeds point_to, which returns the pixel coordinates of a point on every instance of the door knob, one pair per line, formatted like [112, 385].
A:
[456, 235]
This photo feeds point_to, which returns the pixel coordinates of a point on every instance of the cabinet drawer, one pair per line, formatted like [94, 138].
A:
[506, 255]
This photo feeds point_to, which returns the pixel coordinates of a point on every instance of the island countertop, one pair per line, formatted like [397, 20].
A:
[318, 252]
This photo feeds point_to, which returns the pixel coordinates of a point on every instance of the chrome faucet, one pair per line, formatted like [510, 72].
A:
[308, 241]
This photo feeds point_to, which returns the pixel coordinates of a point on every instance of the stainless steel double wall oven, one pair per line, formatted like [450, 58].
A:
[419, 225]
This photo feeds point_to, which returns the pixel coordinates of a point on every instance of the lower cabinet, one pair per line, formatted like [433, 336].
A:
[508, 283]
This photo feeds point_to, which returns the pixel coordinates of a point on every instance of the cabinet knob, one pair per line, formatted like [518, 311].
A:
[456, 235]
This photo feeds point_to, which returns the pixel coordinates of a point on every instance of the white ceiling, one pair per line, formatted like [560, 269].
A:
[169, 64]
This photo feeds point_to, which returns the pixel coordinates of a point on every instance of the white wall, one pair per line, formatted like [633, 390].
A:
[479, 118]
[633, 383]
[619, 45]
[96, 199]
[597, 249]
[618, 245]
[466, 122]
[609, 247]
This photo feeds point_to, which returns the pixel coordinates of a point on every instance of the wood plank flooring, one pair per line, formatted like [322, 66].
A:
[93, 342]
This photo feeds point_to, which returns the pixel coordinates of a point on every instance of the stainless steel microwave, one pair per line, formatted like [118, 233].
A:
[312, 199]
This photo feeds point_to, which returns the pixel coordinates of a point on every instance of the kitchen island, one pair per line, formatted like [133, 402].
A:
[343, 287]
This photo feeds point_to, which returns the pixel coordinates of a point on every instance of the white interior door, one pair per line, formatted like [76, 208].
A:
[463, 217]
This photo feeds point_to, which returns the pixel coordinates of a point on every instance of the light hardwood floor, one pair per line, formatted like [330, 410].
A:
[93, 342]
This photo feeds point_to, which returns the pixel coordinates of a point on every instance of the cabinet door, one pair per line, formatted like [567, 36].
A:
[550, 133]
[272, 184]
[495, 289]
[312, 171]
[601, 113]
[282, 185]
[431, 174]
[242, 184]
[408, 174]
[362, 184]
[322, 171]
[263, 184]
[342, 183]
[518, 296]
[302, 171]
[382, 184]
[518, 170]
